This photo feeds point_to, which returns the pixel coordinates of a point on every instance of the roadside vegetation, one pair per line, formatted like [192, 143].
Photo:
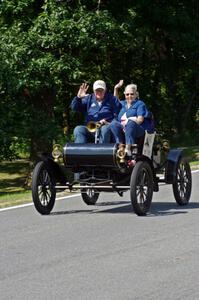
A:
[48, 48]
[13, 186]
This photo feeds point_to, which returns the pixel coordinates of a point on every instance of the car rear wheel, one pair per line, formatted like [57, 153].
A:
[182, 184]
[89, 196]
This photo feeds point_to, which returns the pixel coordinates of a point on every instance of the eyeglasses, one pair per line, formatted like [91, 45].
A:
[130, 94]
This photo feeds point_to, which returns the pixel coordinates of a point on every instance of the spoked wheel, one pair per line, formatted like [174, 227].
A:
[89, 196]
[43, 189]
[141, 188]
[182, 183]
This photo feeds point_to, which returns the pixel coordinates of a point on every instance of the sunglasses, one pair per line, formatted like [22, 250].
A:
[130, 94]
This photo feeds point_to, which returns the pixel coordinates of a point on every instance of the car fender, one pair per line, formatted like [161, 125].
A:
[54, 168]
[172, 160]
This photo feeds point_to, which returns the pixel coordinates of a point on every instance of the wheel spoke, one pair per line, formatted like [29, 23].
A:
[48, 193]
[138, 191]
[142, 187]
[42, 200]
[145, 193]
[142, 181]
[46, 200]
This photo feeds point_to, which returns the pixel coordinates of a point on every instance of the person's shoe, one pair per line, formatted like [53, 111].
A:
[131, 162]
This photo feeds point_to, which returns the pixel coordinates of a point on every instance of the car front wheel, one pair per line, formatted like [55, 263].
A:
[141, 188]
[43, 188]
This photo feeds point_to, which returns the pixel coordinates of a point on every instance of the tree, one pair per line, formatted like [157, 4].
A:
[47, 48]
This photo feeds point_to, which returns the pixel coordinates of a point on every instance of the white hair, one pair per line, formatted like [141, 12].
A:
[131, 86]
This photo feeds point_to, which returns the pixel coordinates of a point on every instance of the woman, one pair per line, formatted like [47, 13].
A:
[133, 118]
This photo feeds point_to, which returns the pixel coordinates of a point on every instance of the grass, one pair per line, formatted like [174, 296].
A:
[12, 199]
[192, 154]
[13, 183]
[13, 176]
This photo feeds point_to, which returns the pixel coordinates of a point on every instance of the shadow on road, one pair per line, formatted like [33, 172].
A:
[68, 212]
[94, 210]
[108, 203]
[157, 208]
[171, 208]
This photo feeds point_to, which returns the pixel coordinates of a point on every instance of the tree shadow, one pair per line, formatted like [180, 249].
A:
[15, 167]
[8, 186]
[13, 177]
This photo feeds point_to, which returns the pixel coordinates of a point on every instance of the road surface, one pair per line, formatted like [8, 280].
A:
[103, 251]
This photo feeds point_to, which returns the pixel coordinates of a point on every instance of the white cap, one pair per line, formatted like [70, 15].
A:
[99, 84]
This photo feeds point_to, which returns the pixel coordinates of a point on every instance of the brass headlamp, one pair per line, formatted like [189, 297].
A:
[57, 152]
[121, 153]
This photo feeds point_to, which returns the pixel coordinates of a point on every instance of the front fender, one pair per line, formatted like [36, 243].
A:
[172, 160]
[55, 169]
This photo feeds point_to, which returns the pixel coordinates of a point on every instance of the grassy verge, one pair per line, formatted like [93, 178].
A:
[12, 183]
[12, 199]
[192, 154]
[13, 175]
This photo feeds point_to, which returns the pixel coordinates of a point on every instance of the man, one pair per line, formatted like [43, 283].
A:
[100, 107]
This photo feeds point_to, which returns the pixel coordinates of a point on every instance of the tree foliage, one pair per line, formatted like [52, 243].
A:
[48, 47]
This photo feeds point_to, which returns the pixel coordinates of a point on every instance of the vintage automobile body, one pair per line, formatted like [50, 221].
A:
[107, 167]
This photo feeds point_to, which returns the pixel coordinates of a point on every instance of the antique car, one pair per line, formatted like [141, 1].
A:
[107, 168]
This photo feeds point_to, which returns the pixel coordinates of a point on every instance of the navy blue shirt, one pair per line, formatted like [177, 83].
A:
[138, 108]
[109, 108]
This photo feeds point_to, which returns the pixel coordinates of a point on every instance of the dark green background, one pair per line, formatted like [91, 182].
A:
[48, 48]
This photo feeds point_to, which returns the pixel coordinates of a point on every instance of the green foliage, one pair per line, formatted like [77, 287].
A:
[47, 48]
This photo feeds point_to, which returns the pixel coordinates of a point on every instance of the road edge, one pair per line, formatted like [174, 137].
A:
[59, 198]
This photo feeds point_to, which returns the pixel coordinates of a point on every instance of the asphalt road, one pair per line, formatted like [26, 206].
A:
[103, 251]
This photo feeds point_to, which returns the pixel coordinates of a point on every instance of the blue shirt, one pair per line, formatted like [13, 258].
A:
[109, 108]
[138, 108]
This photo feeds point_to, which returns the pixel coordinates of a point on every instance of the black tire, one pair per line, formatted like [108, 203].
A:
[182, 184]
[141, 188]
[89, 196]
[43, 188]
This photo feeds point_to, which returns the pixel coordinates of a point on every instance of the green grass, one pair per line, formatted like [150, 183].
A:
[13, 176]
[13, 183]
[12, 199]
[13, 188]
[192, 154]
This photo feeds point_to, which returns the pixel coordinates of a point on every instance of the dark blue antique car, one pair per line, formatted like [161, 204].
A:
[107, 168]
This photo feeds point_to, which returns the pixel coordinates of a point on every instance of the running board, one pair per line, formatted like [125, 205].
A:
[92, 187]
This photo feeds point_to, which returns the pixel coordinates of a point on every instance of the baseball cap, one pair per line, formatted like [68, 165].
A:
[99, 84]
